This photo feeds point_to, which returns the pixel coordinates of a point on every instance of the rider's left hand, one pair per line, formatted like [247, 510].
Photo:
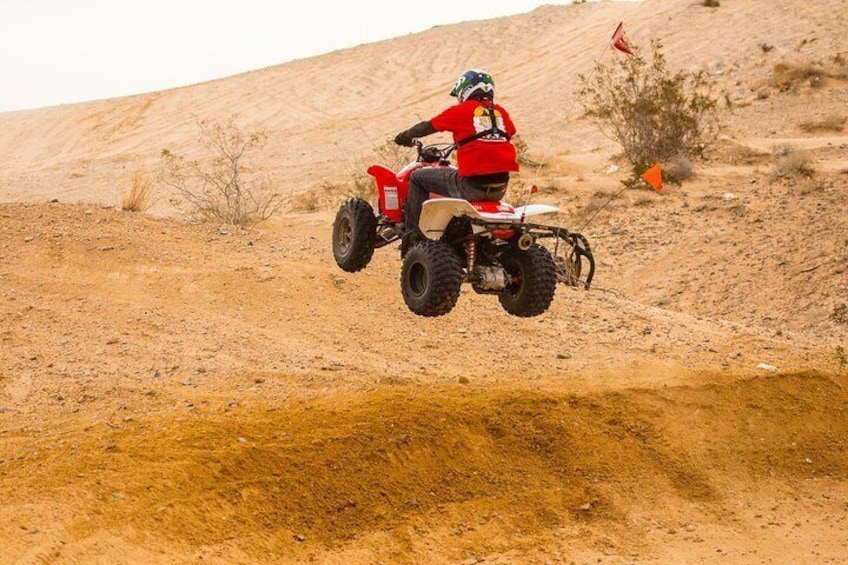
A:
[403, 138]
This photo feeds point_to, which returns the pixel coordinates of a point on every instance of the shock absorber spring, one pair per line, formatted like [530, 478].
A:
[471, 253]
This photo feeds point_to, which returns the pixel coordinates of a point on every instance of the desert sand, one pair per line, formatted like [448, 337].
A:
[174, 391]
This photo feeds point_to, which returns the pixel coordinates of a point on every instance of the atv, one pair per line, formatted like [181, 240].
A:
[489, 245]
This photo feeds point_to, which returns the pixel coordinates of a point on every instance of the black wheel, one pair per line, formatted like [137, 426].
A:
[533, 281]
[430, 278]
[354, 233]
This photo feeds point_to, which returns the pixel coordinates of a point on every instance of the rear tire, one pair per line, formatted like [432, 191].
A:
[534, 281]
[431, 278]
[354, 234]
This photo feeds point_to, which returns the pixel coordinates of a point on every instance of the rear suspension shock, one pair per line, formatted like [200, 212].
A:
[471, 253]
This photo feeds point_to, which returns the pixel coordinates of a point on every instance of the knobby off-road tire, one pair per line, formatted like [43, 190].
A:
[533, 283]
[354, 234]
[430, 278]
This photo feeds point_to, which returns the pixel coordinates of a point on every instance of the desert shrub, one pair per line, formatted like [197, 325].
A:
[840, 358]
[788, 77]
[522, 151]
[736, 154]
[313, 200]
[655, 114]
[711, 3]
[219, 186]
[678, 169]
[138, 198]
[832, 123]
[792, 163]
[328, 195]
[389, 154]
[840, 314]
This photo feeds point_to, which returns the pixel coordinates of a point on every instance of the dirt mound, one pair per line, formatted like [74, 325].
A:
[317, 478]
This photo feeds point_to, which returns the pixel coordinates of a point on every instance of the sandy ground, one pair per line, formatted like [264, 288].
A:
[175, 392]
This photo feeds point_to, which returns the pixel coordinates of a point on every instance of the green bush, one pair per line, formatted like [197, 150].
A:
[655, 114]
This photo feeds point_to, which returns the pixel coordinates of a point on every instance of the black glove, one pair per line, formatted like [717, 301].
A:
[403, 138]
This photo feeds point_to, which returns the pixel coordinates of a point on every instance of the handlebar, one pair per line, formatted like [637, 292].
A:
[435, 152]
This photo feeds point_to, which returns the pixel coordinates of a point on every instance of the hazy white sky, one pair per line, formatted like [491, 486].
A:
[62, 51]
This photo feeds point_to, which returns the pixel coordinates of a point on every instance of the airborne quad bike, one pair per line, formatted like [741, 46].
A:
[490, 245]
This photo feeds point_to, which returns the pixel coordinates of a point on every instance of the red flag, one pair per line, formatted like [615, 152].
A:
[618, 40]
[653, 177]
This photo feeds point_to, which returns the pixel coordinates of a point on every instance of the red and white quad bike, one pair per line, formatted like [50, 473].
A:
[490, 245]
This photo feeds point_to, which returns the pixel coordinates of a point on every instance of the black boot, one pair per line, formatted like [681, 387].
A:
[408, 239]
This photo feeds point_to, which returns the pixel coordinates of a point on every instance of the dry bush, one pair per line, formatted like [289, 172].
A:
[840, 358]
[654, 114]
[362, 185]
[792, 163]
[789, 77]
[138, 198]
[307, 201]
[832, 123]
[678, 169]
[840, 314]
[711, 3]
[388, 154]
[735, 154]
[326, 196]
[522, 151]
[600, 200]
[219, 186]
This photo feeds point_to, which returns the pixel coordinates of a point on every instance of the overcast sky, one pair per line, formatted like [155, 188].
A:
[62, 51]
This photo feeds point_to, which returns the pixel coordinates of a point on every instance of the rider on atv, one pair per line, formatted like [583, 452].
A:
[481, 131]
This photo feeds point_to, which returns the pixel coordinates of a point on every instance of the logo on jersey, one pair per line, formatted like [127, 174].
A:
[483, 122]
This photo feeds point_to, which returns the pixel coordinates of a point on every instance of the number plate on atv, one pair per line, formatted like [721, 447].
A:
[391, 193]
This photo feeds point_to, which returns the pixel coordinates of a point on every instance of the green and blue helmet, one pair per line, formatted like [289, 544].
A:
[475, 84]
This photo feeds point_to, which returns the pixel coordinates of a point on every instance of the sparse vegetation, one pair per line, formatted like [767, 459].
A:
[600, 200]
[138, 198]
[788, 77]
[736, 154]
[840, 358]
[679, 168]
[523, 152]
[330, 194]
[831, 123]
[711, 3]
[792, 163]
[219, 186]
[655, 114]
[388, 154]
[840, 314]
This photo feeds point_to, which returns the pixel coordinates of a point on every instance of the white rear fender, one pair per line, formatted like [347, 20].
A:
[438, 212]
[536, 210]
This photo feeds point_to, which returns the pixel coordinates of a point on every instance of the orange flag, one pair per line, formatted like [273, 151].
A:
[653, 177]
[618, 40]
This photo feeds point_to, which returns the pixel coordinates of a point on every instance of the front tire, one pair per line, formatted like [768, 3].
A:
[533, 284]
[354, 235]
[431, 278]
